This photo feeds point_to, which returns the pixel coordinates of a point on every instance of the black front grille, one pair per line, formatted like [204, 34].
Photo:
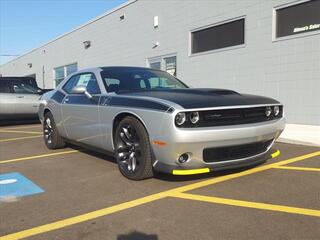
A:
[220, 154]
[234, 116]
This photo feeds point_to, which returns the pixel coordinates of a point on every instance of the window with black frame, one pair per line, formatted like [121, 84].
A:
[218, 36]
[298, 19]
[61, 72]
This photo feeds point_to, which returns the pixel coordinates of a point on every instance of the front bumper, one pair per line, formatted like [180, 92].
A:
[181, 170]
[194, 141]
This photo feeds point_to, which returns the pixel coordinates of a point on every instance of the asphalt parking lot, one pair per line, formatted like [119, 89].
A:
[75, 194]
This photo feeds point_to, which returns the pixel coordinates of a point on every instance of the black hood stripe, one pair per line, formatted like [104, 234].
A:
[192, 98]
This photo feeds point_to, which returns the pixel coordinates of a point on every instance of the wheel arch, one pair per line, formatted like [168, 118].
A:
[121, 115]
[42, 113]
[46, 110]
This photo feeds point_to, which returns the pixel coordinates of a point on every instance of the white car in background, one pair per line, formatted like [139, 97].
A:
[19, 98]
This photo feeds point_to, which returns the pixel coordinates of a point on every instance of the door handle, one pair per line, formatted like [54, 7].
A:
[20, 97]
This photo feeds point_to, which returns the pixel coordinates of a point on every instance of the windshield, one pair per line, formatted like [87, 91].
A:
[130, 79]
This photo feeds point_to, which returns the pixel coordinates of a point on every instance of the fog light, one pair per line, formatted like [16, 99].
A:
[194, 117]
[180, 118]
[183, 158]
[268, 111]
[276, 110]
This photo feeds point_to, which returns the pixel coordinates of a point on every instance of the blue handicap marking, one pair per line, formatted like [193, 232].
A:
[16, 185]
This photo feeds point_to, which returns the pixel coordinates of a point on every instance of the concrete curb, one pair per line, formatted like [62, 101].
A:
[301, 134]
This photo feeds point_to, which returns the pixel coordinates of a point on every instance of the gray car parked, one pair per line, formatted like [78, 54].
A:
[19, 98]
[152, 121]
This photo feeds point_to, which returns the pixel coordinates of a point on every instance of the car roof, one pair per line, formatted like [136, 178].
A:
[124, 68]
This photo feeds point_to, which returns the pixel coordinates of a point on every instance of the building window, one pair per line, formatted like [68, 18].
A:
[155, 65]
[224, 35]
[297, 19]
[61, 72]
[59, 75]
[71, 68]
[171, 65]
[165, 63]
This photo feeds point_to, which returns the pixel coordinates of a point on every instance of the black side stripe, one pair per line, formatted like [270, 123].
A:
[133, 103]
[82, 100]
[111, 101]
[58, 96]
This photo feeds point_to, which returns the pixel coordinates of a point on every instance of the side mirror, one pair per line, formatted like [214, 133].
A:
[81, 90]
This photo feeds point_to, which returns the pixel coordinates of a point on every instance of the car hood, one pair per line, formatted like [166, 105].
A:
[203, 97]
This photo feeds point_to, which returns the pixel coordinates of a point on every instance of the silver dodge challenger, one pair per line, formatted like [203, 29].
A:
[153, 122]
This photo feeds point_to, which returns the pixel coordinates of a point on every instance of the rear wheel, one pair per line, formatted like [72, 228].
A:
[133, 150]
[51, 135]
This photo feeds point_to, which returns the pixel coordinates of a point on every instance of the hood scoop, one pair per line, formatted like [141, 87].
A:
[215, 91]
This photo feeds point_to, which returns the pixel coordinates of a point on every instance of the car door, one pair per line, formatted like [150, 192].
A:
[79, 112]
[7, 100]
[26, 98]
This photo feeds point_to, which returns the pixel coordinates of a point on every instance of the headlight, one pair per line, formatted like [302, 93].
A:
[194, 117]
[268, 111]
[180, 118]
[276, 110]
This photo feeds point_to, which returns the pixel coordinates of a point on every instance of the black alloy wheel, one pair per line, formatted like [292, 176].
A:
[51, 135]
[133, 150]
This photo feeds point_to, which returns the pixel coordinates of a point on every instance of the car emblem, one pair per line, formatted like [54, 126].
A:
[213, 116]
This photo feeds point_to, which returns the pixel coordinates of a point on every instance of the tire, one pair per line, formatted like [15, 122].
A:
[51, 135]
[133, 151]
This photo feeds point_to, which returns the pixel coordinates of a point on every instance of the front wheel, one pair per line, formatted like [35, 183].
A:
[51, 135]
[133, 150]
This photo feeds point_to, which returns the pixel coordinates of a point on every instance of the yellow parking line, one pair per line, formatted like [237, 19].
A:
[244, 173]
[140, 201]
[37, 156]
[21, 127]
[299, 168]
[82, 218]
[19, 138]
[16, 131]
[247, 204]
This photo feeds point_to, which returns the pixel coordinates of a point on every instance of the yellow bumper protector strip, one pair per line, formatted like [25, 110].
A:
[190, 171]
[275, 154]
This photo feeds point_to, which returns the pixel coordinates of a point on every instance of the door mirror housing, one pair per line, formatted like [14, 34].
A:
[81, 90]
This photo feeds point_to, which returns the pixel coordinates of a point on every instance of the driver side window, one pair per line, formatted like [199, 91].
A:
[22, 88]
[86, 79]
[70, 84]
[90, 82]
